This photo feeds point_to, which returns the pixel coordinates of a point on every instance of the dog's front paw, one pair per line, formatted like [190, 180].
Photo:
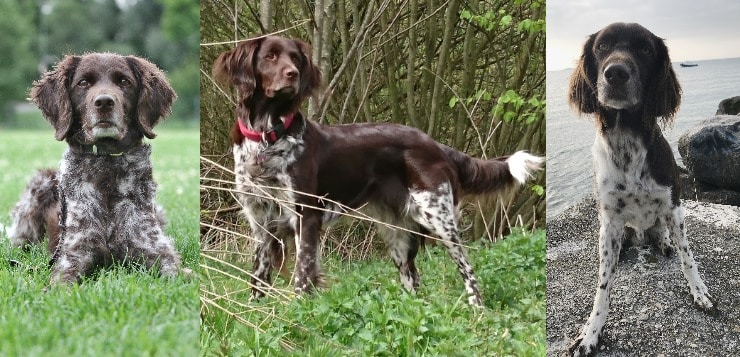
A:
[256, 295]
[706, 303]
[187, 273]
[667, 250]
[583, 346]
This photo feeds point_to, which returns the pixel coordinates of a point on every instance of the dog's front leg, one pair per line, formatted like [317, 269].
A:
[610, 243]
[699, 291]
[262, 264]
[307, 267]
[79, 253]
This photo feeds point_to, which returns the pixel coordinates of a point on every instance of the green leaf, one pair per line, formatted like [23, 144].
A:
[509, 116]
[505, 21]
[453, 101]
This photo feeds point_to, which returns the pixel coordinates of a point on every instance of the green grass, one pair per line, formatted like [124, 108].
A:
[366, 312]
[119, 312]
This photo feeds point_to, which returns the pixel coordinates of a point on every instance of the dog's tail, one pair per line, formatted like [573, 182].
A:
[37, 212]
[478, 176]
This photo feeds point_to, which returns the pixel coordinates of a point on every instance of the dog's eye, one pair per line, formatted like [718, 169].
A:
[271, 56]
[123, 81]
[603, 46]
[83, 83]
[646, 50]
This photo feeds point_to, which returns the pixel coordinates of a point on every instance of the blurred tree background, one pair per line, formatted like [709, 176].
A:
[469, 73]
[34, 35]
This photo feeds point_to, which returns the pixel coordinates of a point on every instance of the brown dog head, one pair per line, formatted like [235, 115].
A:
[103, 96]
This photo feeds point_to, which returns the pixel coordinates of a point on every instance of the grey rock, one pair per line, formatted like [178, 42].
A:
[693, 189]
[711, 151]
[729, 106]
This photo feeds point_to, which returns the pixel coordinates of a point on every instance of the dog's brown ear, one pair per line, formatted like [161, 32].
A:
[664, 98]
[310, 73]
[235, 67]
[582, 94]
[155, 94]
[51, 95]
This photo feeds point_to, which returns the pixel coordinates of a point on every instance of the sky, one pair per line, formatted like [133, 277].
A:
[693, 30]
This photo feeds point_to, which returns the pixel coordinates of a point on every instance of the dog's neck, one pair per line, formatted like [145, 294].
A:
[633, 121]
[260, 118]
[277, 129]
[105, 147]
[260, 113]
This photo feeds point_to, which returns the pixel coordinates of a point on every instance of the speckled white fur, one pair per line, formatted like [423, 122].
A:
[629, 196]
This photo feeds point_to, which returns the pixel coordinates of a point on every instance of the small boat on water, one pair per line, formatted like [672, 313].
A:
[689, 65]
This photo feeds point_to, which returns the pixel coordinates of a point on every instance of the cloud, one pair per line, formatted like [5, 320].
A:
[693, 30]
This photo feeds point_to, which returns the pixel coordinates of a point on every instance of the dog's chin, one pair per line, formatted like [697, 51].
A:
[286, 92]
[105, 130]
[618, 101]
[620, 104]
[619, 98]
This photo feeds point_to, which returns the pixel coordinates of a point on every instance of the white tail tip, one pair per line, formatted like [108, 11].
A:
[522, 165]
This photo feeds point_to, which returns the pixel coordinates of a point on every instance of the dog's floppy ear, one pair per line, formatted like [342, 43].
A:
[310, 74]
[582, 95]
[155, 94]
[236, 67]
[664, 98]
[51, 95]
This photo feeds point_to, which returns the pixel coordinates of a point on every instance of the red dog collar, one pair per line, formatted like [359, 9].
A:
[269, 136]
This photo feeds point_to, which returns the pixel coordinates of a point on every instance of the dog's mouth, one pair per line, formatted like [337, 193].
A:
[104, 124]
[287, 87]
[104, 128]
[618, 97]
[288, 91]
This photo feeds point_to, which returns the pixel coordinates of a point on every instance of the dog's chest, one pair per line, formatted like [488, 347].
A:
[624, 186]
[266, 189]
[107, 188]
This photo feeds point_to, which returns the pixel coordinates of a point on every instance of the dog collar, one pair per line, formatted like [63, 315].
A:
[98, 151]
[270, 136]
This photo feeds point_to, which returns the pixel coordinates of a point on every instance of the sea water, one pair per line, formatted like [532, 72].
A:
[570, 137]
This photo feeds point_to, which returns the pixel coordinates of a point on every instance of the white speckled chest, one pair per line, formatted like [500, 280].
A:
[265, 189]
[624, 187]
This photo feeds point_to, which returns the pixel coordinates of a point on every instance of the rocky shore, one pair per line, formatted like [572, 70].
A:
[651, 312]
[711, 153]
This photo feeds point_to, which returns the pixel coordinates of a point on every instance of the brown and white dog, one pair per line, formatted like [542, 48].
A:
[99, 207]
[293, 175]
[625, 80]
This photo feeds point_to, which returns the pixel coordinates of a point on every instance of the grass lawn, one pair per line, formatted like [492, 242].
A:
[119, 312]
[366, 312]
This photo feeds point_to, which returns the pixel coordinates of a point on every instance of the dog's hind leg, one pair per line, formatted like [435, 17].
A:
[610, 243]
[37, 212]
[435, 211]
[699, 291]
[402, 247]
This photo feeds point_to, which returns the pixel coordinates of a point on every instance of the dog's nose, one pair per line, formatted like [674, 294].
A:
[291, 72]
[104, 102]
[617, 74]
